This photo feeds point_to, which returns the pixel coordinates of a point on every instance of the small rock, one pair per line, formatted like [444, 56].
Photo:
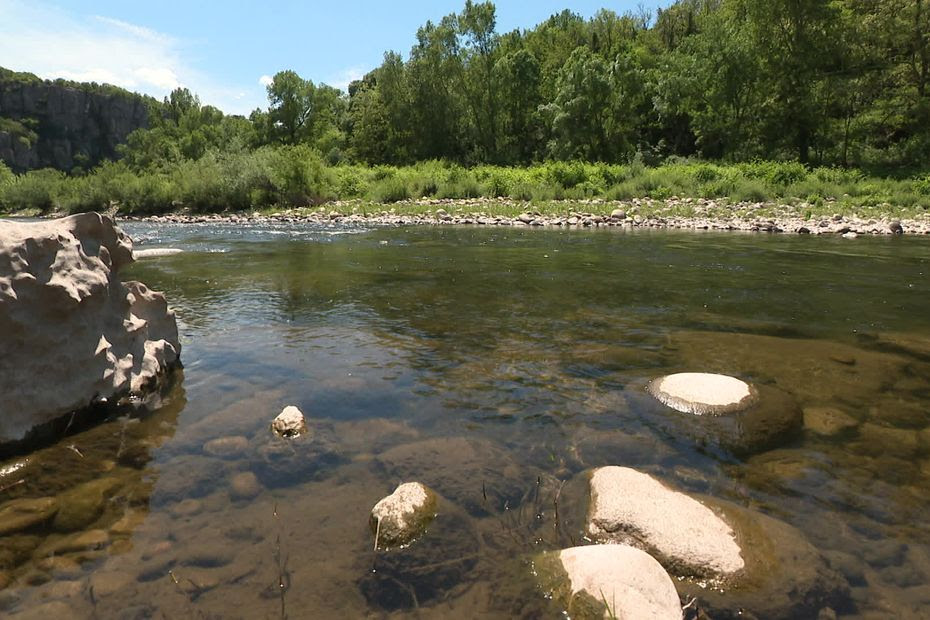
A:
[110, 582]
[827, 421]
[126, 524]
[618, 214]
[196, 580]
[289, 423]
[20, 514]
[877, 440]
[849, 235]
[63, 589]
[526, 218]
[615, 581]
[227, 447]
[83, 504]
[702, 393]
[403, 515]
[244, 485]
[187, 507]
[60, 566]
[83, 541]
[896, 228]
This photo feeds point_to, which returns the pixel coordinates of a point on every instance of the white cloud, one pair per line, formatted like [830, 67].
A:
[54, 43]
[265, 80]
[346, 77]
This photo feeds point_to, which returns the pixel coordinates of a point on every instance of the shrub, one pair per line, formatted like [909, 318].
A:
[37, 189]
[749, 190]
[389, 190]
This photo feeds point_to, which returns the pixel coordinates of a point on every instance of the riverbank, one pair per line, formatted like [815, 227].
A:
[673, 213]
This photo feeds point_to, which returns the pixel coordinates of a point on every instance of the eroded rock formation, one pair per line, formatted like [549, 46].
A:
[71, 333]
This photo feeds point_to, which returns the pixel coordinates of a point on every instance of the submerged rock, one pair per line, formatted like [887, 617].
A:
[427, 570]
[757, 566]
[244, 485]
[83, 504]
[471, 472]
[827, 421]
[281, 461]
[726, 412]
[403, 515]
[73, 333]
[21, 514]
[613, 581]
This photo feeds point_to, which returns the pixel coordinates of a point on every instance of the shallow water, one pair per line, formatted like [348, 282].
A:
[496, 365]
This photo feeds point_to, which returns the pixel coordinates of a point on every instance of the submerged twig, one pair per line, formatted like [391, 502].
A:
[377, 533]
[281, 561]
[74, 449]
[12, 484]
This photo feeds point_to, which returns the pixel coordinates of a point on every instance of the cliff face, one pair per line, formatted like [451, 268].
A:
[59, 124]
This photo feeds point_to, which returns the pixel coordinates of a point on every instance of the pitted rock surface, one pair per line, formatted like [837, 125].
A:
[73, 333]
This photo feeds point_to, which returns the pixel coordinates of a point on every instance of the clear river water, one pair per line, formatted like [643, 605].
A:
[496, 366]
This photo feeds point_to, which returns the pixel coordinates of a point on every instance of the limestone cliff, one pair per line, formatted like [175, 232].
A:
[71, 333]
[59, 124]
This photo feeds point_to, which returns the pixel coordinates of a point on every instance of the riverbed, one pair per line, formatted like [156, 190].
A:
[496, 365]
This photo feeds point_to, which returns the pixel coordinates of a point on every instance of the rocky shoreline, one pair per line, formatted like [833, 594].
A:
[684, 214]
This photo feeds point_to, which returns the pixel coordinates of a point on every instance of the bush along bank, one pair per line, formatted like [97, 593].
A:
[761, 194]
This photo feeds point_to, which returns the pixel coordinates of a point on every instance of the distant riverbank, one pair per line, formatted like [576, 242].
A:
[675, 213]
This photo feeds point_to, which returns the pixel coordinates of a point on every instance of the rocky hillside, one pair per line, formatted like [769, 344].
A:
[61, 124]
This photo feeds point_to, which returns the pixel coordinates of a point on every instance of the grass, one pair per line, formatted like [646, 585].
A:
[269, 179]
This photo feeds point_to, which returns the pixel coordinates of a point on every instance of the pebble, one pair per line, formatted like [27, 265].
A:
[109, 582]
[244, 485]
[707, 215]
[827, 421]
[227, 447]
[187, 508]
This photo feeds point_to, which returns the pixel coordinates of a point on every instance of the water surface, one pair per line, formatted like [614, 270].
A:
[496, 365]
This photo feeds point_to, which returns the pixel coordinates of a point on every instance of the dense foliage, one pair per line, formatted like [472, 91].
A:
[825, 87]
[296, 176]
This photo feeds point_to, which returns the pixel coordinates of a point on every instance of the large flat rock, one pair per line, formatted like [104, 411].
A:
[687, 536]
[754, 564]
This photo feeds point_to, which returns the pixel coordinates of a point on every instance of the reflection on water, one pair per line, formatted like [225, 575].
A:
[495, 366]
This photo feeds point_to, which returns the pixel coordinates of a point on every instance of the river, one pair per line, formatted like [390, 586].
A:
[496, 366]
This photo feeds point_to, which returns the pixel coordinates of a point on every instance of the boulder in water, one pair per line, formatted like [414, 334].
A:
[73, 333]
[403, 515]
[612, 581]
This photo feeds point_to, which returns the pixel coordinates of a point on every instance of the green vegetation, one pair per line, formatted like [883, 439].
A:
[742, 100]
[297, 176]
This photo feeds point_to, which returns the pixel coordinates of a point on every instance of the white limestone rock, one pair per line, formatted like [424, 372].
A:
[289, 423]
[756, 566]
[703, 393]
[608, 581]
[403, 515]
[687, 536]
[71, 333]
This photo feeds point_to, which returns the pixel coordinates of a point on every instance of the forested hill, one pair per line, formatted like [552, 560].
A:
[62, 124]
[823, 82]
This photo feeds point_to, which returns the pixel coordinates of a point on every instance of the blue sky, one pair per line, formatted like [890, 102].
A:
[221, 50]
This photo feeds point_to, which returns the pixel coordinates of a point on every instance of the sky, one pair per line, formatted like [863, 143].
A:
[226, 52]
